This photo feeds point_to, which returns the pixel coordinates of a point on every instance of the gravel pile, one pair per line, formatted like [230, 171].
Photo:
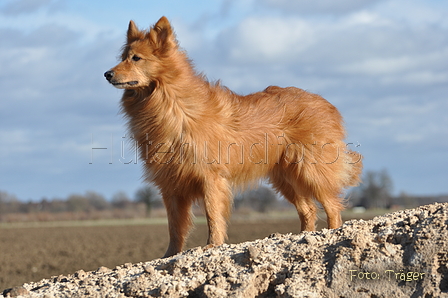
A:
[402, 254]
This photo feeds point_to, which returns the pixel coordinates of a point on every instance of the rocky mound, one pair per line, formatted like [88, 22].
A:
[402, 254]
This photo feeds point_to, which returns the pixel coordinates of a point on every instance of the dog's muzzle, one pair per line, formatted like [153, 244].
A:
[109, 75]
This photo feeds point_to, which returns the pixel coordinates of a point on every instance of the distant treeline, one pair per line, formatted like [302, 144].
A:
[375, 192]
[92, 205]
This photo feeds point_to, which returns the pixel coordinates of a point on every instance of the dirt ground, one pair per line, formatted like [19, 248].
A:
[31, 254]
[401, 254]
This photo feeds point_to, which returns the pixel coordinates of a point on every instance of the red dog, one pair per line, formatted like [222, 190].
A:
[199, 139]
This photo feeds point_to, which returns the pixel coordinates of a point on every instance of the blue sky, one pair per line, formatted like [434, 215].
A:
[383, 63]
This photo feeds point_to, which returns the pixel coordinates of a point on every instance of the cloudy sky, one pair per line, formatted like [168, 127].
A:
[383, 63]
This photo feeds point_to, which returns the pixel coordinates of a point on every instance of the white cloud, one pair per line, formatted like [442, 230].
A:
[14, 141]
[410, 138]
[319, 6]
[363, 18]
[362, 45]
[271, 40]
[379, 66]
[424, 78]
[17, 7]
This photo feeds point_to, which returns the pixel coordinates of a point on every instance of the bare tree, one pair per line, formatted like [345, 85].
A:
[375, 192]
[120, 200]
[149, 196]
[97, 201]
[261, 199]
[85, 203]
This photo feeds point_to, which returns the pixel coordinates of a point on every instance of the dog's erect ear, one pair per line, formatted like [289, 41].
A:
[162, 36]
[133, 32]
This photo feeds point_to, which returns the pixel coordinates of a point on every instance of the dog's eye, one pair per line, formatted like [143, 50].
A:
[136, 58]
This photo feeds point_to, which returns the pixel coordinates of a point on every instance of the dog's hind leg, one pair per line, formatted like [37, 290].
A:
[333, 207]
[217, 203]
[307, 212]
[327, 197]
[323, 183]
[179, 222]
[303, 202]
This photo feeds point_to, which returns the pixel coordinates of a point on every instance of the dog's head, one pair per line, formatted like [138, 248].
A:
[144, 56]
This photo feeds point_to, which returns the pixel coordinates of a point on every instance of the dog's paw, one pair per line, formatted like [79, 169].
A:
[209, 246]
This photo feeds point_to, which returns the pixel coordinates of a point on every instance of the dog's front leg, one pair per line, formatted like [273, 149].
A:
[217, 203]
[178, 210]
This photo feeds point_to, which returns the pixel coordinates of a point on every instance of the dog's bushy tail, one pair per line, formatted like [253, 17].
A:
[353, 169]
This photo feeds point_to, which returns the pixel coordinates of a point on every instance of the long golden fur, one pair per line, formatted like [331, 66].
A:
[199, 140]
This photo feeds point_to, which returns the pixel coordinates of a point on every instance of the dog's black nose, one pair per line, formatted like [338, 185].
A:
[109, 75]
